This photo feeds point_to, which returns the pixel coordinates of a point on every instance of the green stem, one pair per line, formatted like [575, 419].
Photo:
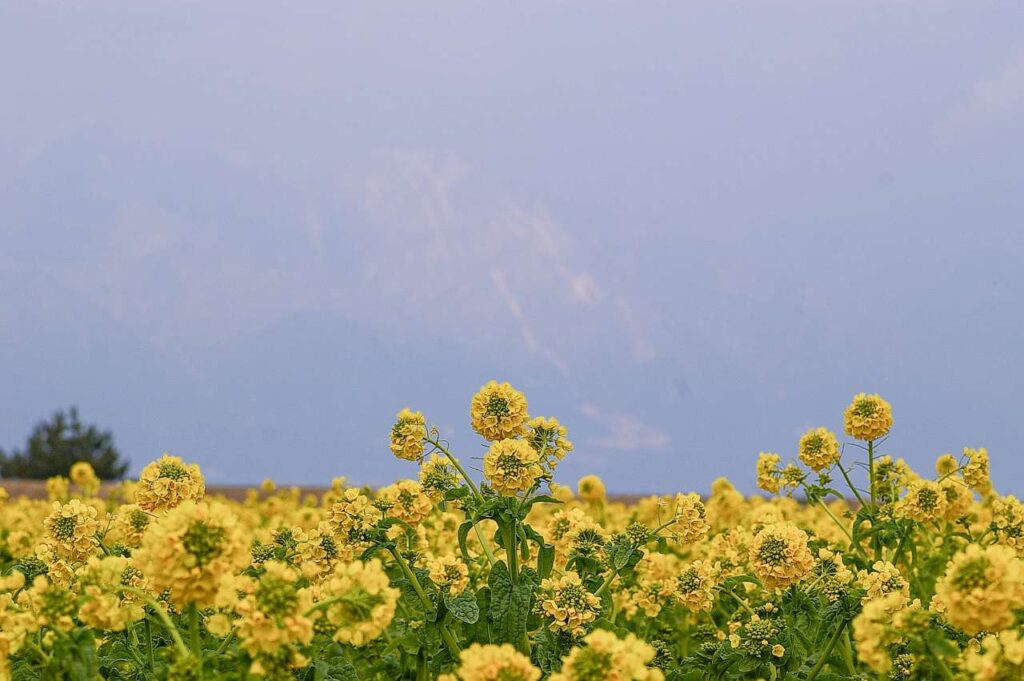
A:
[149, 646]
[871, 470]
[453, 645]
[224, 644]
[739, 599]
[476, 493]
[485, 544]
[409, 575]
[841, 526]
[848, 654]
[162, 614]
[828, 649]
[458, 467]
[853, 488]
[511, 554]
[943, 669]
[193, 630]
[607, 582]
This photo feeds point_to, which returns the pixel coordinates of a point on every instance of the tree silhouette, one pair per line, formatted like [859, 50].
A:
[59, 442]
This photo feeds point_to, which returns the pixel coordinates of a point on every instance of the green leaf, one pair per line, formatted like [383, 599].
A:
[540, 499]
[621, 556]
[510, 604]
[545, 560]
[463, 607]
[464, 529]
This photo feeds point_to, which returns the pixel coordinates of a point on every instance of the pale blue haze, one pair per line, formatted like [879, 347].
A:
[249, 232]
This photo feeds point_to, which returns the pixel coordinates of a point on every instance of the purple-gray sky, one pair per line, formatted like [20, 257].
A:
[249, 233]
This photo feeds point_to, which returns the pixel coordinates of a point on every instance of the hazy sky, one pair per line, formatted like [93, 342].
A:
[249, 233]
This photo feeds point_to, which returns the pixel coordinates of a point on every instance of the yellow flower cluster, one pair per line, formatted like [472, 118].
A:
[187, 551]
[517, 579]
[167, 482]
[361, 601]
[495, 663]
[779, 555]
[868, 417]
[512, 467]
[407, 435]
[568, 605]
[981, 588]
[819, 448]
[606, 657]
[498, 411]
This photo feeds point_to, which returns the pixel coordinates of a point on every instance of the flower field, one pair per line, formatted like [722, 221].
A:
[850, 565]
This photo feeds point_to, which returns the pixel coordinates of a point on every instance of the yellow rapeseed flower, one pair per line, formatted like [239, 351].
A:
[498, 411]
[488, 662]
[868, 417]
[71, 530]
[981, 588]
[547, 436]
[925, 502]
[362, 601]
[407, 435]
[449, 573]
[976, 471]
[167, 482]
[768, 472]
[819, 448]
[590, 488]
[606, 657]
[83, 475]
[779, 555]
[568, 604]
[188, 550]
[691, 524]
[511, 467]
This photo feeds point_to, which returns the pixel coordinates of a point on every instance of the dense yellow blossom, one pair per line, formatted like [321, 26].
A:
[495, 663]
[407, 580]
[976, 471]
[925, 501]
[768, 472]
[437, 476]
[882, 579]
[590, 488]
[71, 530]
[189, 549]
[106, 606]
[606, 657]
[512, 467]
[819, 448]
[999, 657]
[405, 500]
[690, 519]
[407, 435]
[83, 475]
[167, 482]
[981, 588]
[568, 604]
[868, 417]
[498, 411]
[780, 556]
[547, 436]
[363, 601]
[695, 586]
[449, 573]
[274, 618]
[874, 630]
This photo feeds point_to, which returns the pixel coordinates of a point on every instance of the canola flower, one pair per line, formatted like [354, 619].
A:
[505, 574]
[407, 435]
[498, 411]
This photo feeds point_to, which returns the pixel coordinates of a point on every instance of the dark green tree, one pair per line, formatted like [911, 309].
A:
[59, 442]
